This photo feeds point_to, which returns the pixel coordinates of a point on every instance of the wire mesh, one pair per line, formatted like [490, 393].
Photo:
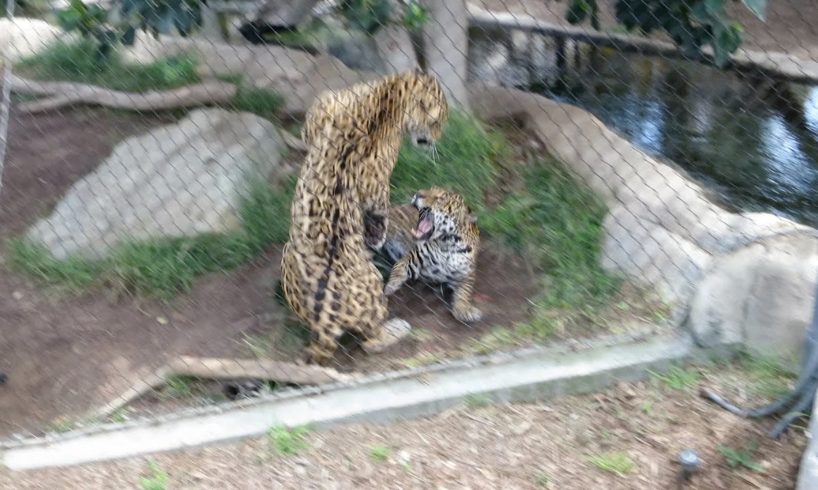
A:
[619, 183]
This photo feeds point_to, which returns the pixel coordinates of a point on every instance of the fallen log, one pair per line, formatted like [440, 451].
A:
[223, 369]
[63, 94]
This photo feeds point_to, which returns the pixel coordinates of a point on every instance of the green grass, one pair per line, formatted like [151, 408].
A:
[542, 480]
[163, 268]
[495, 339]
[158, 479]
[287, 442]
[678, 378]
[261, 102]
[616, 462]
[744, 457]
[180, 386]
[76, 62]
[379, 453]
[559, 223]
[473, 402]
[767, 374]
[466, 161]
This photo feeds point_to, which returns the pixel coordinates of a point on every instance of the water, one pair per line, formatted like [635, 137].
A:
[757, 150]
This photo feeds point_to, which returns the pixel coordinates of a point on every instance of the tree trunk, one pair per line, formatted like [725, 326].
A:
[395, 48]
[446, 43]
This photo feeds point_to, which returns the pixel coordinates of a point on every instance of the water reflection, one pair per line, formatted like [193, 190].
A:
[745, 139]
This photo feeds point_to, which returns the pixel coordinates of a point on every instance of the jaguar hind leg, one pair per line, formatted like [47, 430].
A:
[323, 344]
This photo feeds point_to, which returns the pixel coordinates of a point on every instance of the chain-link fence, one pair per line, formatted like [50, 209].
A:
[622, 183]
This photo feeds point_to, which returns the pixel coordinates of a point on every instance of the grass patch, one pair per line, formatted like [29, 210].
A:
[287, 442]
[379, 453]
[744, 457]
[616, 462]
[497, 338]
[768, 376]
[678, 378]
[77, 62]
[558, 222]
[72, 273]
[542, 480]
[157, 480]
[260, 101]
[465, 160]
[165, 267]
[180, 386]
[473, 402]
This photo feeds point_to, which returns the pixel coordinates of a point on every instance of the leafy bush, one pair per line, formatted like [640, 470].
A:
[371, 15]
[93, 24]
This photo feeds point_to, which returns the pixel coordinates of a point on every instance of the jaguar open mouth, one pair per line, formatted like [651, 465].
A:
[426, 225]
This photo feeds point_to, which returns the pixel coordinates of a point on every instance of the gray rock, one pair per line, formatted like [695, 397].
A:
[760, 295]
[21, 37]
[178, 180]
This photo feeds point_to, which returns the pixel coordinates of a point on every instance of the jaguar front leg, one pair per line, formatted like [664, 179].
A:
[401, 273]
[374, 230]
[462, 308]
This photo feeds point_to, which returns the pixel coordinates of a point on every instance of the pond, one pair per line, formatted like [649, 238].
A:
[753, 142]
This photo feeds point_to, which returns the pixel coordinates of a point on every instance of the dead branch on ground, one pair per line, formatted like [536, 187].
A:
[223, 369]
[62, 94]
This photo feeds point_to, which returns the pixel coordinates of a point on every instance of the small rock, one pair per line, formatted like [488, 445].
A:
[161, 320]
[17, 295]
[521, 429]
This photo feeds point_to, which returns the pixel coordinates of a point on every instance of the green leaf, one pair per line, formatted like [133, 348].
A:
[69, 19]
[415, 16]
[578, 11]
[757, 7]
[726, 42]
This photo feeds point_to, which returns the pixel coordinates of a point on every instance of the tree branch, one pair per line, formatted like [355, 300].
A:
[223, 369]
[62, 94]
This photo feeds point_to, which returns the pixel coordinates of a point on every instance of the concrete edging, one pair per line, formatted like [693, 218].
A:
[534, 374]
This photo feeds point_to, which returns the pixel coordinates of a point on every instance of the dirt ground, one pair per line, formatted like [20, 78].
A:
[789, 27]
[542, 445]
[66, 354]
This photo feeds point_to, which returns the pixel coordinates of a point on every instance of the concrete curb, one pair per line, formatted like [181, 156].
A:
[534, 374]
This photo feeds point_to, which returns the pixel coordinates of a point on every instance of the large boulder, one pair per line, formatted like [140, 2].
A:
[21, 37]
[731, 278]
[179, 180]
[759, 295]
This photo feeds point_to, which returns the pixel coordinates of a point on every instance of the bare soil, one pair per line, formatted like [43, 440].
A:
[542, 445]
[66, 353]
